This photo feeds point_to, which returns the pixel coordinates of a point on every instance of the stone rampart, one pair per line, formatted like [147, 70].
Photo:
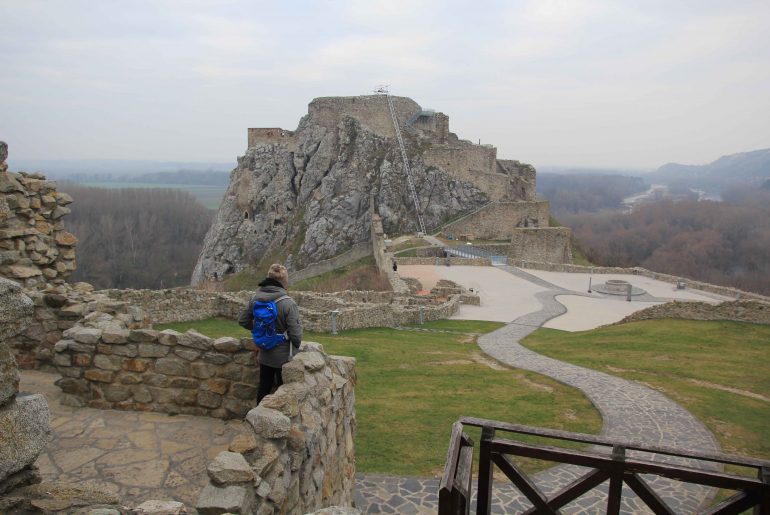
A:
[523, 178]
[371, 111]
[752, 311]
[544, 244]
[674, 279]
[356, 252]
[106, 365]
[302, 457]
[471, 163]
[497, 221]
[35, 250]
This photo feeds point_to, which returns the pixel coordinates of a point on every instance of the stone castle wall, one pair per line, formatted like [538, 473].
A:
[471, 163]
[497, 220]
[356, 252]
[371, 110]
[106, 365]
[545, 244]
[752, 311]
[303, 456]
[523, 178]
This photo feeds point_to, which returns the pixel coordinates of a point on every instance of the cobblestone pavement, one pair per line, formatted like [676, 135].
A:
[137, 456]
[630, 411]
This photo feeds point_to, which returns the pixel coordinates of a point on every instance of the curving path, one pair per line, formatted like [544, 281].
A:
[630, 411]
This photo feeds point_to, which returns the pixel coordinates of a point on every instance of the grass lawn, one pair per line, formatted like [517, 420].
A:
[716, 370]
[413, 385]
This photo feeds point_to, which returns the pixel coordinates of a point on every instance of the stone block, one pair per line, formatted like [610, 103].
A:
[60, 360]
[230, 467]
[243, 443]
[108, 362]
[161, 508]
[217, 358]
[169, 337]
[243, 391]
[227, 344]
[311, 360]
[293, 371]
[152, 350]
[87, 335]
[73, 386]
[188, 354]
[9, 374]
[102, 376]
[282, 401]
[237, 407]
[26, 431]
[116, 393]
[143, 335]
[158, 380]
[231, 371]
[186, 397]
[216, 500]
[115, 335]
[141, 394]
[269, 423]
[81, 360]
[187, 383]
[216, 385]
[208, 399]
[85, 348]
[135, 365]
[195, 340]
[129, 378]
[172, 366]
[202, 370]
[130, 350]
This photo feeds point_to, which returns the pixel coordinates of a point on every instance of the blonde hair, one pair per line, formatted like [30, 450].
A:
[279, 273]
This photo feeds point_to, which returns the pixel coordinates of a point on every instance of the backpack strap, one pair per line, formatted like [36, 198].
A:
[291, 347]
[282, 297]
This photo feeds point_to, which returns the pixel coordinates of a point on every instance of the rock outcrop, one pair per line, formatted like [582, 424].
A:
[304, 196]
[24, 420]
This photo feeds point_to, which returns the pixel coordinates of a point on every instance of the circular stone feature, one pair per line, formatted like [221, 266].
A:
[617, 287]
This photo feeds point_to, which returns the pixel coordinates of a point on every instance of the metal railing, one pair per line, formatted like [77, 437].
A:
[617, 467]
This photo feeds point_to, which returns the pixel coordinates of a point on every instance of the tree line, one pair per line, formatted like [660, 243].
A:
[135, 237]
[725, 243]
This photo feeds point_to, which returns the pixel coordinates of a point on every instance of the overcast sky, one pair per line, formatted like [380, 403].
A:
[631, 84]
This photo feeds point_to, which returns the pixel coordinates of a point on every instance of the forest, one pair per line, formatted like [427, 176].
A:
[135, 237]
[724, 243]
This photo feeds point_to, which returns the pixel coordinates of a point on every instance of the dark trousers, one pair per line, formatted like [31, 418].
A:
[269, 378]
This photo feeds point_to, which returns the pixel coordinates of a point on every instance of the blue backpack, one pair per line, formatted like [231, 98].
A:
[264, 332]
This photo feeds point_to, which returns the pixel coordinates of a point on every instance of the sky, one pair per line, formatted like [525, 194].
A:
[582, 83]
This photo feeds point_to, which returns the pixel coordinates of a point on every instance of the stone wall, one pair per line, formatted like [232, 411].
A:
[356, 252]
[752, 311]
[24, 421]
[455, 261]
[303, 457]
[105, 364]
[544, 244]
[471, 163]
[34, 247]
[371, 111]
[182, 304]
[271, 136]
[726, 291]
[523, 178]
[497, 221]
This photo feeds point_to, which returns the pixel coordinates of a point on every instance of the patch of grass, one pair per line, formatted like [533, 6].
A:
[413, 385]
[693, 362]
[410, 244]
[578, 258]
[461, 326]
[361, 275]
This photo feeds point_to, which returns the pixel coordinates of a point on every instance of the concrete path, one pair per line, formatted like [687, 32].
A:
[629, 410]
[136, 456]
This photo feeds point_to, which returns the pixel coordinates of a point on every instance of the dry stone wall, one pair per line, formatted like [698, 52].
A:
[303, 456]
[106, 364]
[544, 244]
[35, 250]
[752, 311]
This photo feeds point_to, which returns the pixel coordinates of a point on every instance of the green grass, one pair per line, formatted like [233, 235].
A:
[690, 361]
[209, 196]
[410, 244]
[413, 385]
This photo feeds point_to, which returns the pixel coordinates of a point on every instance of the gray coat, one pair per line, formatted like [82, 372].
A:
[287, 321]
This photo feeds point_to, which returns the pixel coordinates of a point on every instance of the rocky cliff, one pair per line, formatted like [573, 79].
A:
[303, 196]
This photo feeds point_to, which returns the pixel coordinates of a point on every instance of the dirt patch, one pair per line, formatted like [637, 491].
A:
[617, 370]
[536, 385]
[484, 360]
[736, 391]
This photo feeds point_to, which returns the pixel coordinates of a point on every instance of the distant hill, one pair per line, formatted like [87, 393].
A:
[745, 168]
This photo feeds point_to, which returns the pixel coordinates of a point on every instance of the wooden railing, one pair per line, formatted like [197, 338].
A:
[617, 467]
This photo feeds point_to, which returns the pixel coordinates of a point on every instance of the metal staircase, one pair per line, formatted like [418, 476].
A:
[384, 90]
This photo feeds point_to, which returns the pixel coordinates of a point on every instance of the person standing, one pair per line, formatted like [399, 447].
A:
[287, 322]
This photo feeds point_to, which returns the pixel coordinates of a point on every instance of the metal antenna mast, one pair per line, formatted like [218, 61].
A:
[383, 90]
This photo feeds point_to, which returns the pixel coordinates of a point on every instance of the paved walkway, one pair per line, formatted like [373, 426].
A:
[630, 411]
[135, 456]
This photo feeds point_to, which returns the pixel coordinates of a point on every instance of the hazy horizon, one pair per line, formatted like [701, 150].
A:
[575, 84]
